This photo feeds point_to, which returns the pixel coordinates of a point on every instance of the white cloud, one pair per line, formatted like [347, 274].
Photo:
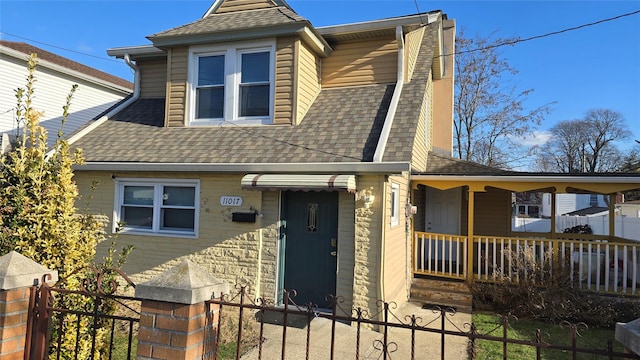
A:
[537, 138]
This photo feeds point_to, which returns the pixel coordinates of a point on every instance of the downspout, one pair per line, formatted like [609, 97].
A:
[383, 227]
[100, 121]
[395, 99]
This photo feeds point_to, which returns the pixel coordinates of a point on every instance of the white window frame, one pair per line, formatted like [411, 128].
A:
[232, 64]
[395, 204]
[157, 185]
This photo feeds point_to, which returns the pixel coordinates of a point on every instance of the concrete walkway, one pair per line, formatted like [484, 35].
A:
[427, 344]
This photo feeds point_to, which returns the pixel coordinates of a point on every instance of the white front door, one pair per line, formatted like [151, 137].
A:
[443, 211]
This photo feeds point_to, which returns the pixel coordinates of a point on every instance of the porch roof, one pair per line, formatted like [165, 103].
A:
[605, 183]
[445, 172]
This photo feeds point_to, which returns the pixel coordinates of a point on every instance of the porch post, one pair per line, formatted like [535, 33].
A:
[612, 217]
[470, 215]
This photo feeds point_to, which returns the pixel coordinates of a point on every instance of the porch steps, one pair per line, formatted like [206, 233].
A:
[447, 293]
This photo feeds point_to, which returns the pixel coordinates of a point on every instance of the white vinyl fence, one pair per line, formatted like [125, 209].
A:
[626, 227]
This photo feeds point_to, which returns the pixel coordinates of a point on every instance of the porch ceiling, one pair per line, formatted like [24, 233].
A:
[601, 184]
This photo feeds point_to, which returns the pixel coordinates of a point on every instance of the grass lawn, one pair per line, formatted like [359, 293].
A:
[489, 324]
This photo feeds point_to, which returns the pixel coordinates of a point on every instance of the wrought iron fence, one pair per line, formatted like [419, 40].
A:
[93, 322]
[302, 331]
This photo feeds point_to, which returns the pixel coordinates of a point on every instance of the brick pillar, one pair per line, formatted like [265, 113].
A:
[17, 276]
[175, 320]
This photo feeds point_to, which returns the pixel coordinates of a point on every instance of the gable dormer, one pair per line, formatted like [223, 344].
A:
[242, 63]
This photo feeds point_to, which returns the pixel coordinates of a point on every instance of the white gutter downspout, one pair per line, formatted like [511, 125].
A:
[395, 99]
[134, 97]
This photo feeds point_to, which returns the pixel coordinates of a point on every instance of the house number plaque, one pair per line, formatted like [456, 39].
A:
[230, 200]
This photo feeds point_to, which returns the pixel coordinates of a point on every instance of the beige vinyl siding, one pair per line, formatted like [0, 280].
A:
[241, 5]
[229, 250]
[421, 141]
[361, 62]
[396, 247]
[492, 213]
[346, 248]
[268, 235]
[285, 75]
[413, 40]
[153, 78]
[308, 80]
[178, 65]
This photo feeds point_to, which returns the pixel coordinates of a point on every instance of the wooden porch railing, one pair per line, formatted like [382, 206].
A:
[598, 266]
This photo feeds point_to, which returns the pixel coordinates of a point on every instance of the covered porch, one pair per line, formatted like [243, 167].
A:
[466, 228]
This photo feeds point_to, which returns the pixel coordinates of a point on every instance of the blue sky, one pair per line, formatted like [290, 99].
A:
[593, 67]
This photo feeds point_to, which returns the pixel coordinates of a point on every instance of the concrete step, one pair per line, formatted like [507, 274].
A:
[447, 293]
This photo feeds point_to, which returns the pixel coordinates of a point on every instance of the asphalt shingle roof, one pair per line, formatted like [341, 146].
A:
[438, 164]
[233, 21]
[343, 125]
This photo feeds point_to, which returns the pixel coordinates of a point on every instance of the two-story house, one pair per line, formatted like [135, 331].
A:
[273, 153]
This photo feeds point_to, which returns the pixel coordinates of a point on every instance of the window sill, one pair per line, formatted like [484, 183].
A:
[174, 234]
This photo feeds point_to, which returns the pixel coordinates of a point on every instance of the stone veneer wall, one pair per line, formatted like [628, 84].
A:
[367, 246]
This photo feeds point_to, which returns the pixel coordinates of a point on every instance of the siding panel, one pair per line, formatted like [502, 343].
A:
[361, 63]
[492, 213]
[52, 88]
[241, 5]
[178, 80]
[308, 81]
[397, 250]
[153, 78]
[285, 72]
[413, 40]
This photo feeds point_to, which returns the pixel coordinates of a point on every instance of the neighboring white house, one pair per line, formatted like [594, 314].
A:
[570, 203]
[97, 91]
[630, 209]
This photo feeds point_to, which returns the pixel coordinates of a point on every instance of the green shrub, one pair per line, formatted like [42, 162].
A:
[38, 216]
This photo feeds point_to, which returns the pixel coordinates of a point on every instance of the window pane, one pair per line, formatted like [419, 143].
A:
[177, 219]
[140, 217]
[210, 103]
[179, 196]
[138, 195]
[254, 100]
[255, 67]
[211, 70]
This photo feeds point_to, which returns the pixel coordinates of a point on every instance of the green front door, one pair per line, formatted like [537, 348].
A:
[310, 245]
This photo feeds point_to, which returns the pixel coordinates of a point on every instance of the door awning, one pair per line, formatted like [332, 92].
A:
[297, 182]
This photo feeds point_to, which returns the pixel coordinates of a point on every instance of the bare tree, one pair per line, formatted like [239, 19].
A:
[489, 113]
[585, 145]
[604, 126]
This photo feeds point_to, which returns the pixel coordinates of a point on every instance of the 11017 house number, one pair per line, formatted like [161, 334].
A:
[230, 200]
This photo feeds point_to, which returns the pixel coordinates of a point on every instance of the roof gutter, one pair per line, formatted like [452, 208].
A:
[136, 94]
[294, 168]
[531, 178]
[395, 99]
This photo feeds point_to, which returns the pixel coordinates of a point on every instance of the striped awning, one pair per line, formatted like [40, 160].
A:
[297, 182]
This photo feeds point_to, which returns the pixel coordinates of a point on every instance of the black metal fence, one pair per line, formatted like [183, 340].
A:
[264, 331]
[91, 323]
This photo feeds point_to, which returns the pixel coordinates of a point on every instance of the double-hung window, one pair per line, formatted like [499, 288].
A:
[232, 84]
[162, 207]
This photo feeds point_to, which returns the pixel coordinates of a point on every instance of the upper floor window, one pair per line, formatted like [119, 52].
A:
[232, 83]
